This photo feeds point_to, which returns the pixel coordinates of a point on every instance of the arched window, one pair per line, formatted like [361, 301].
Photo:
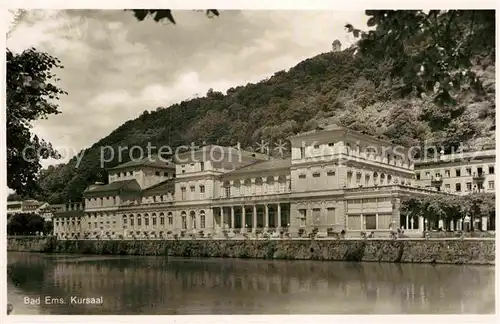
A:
[258, 186]
[282, 183]
[227, 189]
[162, 219]
[192, 215]
[270, 184]
[146, 219]
[184, 220]
[154, 219]
[170, 219]
[248, 187]
[202, 219]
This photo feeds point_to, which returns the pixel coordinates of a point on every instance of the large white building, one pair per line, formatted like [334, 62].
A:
[336, 179]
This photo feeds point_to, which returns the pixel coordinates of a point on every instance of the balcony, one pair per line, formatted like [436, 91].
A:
[478, 178]
[436, 182]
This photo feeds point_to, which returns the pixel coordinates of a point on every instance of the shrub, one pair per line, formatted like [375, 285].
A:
[201, 233]
[301, 231]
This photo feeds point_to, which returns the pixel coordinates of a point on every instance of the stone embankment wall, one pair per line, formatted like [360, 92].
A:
[473, 251]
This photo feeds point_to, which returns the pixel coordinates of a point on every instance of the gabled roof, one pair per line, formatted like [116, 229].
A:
[154, 161]
[164, 186]
[117, 186]
[262, 166]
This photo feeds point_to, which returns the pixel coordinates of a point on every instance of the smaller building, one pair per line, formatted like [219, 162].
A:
[29, 206]
[458, 173]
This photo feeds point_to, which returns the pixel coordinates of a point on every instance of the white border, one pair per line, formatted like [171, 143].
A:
[226, 4]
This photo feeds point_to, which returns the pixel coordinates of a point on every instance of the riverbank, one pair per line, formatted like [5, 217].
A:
[468, 251]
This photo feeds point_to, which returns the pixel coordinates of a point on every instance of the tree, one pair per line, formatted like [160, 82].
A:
[31, 95]
[432, 52]
[161, 14]
[25, 224]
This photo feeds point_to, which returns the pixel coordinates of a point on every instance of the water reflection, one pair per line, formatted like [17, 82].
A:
[157, 285]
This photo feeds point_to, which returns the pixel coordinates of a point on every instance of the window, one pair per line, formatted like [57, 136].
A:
[447, 187]
[316, 146]
[331, 144]
[316, 175]
[457, 173]
[427, 173]
[491, 169]
[202, 166]
[469, 186]
[330, 173]
[184, 221]
[458, 187]
[192, 188]
[154, 220]
[157, 173]
[302, 152]
[469, 171]
[202, 191]
[139, 220]
[165, 174]
[479, 171]
[302, 217]
[491, 185]
[95, 225]
[227, 192]
[170, 219]
[124, 220]
[131, 221]
[202, 219]
[447, 173]
[131, 173]
[183, 193]
[418, 175]
[302, 176]
[162, 220]
[183, 171]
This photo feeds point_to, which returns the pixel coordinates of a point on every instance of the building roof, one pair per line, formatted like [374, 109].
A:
[329, 127]
[457, 157]
[336, 127]
[164, 186]
[154, 161]
[262, 166]
[117, 186]
[217, 152]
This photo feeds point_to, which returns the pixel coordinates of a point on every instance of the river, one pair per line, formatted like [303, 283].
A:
[119, 285]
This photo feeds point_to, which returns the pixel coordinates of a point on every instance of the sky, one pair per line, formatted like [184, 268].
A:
[116, 67]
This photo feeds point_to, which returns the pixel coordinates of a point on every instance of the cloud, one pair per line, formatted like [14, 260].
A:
[117, 67]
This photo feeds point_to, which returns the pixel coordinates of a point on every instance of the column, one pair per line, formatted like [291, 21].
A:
[361, 220]
[279, 217]
[232, 218]
[254, 221]
[421, 223]
[406, 224]
[266, 215]
[243, 217]
[376, 221]
[221, 220]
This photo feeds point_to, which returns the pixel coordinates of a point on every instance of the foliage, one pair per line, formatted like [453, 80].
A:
[31, 95]
[450, 207]
[432, 52]
[25, 224]
[161, 14]
[334, 87]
